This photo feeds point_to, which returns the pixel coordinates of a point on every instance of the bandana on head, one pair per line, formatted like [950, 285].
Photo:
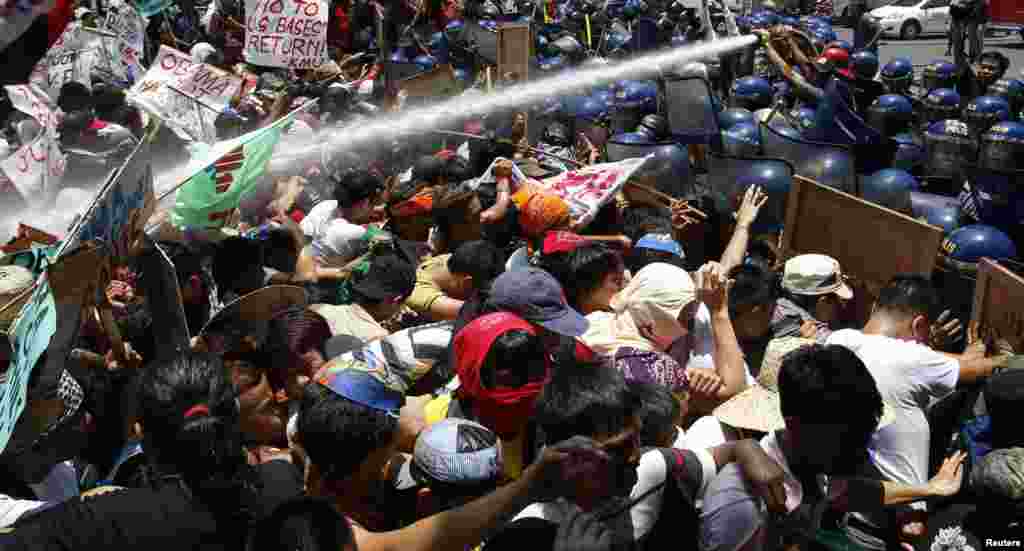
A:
[501, 409]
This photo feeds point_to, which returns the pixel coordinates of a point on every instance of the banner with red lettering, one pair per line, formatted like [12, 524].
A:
[588, 189]
[76, 54]
[187, 95]
[37, 167]
[286, 33]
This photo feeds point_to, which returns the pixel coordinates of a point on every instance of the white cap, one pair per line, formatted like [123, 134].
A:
[814, 275]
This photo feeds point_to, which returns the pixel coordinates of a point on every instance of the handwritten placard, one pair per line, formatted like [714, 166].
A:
[286, 33]
[74, 57]
[37, 168]
[998, 296]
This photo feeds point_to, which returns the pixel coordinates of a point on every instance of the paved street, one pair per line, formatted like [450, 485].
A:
[934, 47]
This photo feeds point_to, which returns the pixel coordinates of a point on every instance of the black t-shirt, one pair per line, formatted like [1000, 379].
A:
[154, 520]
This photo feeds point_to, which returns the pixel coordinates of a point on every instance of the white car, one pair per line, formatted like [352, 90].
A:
[841, 10]
[909, 19]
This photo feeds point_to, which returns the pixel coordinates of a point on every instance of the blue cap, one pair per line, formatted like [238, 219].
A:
[374, 386]
[661, 242]
[537, 297]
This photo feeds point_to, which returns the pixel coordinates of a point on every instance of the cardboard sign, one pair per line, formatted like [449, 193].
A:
[37, 168]
[185, 94]
[514, 50]
[998, 296]
[48, 321]
[119, 213]
[870, 242]
[286, 33]
[437, 82]
[163, 296]
[74, 57]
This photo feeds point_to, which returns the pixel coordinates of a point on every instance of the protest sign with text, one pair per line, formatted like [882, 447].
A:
[998, 295]
[286, 33]
[588, 189]
[76, 56]
[37, 168]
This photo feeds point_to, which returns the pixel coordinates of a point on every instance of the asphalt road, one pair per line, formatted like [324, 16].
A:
[933, 47]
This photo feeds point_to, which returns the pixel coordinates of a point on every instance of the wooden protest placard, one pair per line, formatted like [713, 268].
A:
[36, 168]
[870, 242]
[514, 50]
[998, 296]
[286, 33]
[49, 321]
[439, 81]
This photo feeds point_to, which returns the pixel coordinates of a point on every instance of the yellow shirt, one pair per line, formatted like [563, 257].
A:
[426, 291]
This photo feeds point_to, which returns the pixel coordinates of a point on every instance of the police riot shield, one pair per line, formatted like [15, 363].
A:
[729, 177]
[998, 194]
[645, 34]
[668, 170]
[828, 164]
[691, 113]
[948, 152]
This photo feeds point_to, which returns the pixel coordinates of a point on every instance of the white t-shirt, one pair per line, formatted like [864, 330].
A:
[909, 377]
[317, 218]
[703, 354]
[651, 471]
[335, 241]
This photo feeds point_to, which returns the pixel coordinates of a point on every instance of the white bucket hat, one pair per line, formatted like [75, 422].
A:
[814, 275]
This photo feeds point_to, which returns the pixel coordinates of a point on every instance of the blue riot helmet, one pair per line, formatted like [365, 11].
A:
[454, 29]
[783, 90]
[1002, 147]
[541, 42]
[603, 95]
[823, 35]
[425, 62]
[398, 55]
[462, 76]
[633, 100]
[939, 74]
[890, 188]
[817, 21]
[655, 126]
[937, 210]
[634, 8]
[557, 134]
[759, 22]
[752, 93]
[617, 39]
[864, 65]
[831, 167]
[732, 116]
[941, 104]
[775, 179]
[551, 64]
[678, 40]
[1012, 90]
[841, 44]
[891, 114]
[950, 147]
[568, 47]
[898, 75]
[742, 140]
[770, 17]
[438, 41]
[984, 111]
[910, 155]
[635, 138]
[790, 21]
[969, 244]
[805, 117]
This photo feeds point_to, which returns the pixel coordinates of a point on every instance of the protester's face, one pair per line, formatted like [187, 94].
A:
[601, 297]
[828, 308]
[833, 451]
[260, 417]
[753, 323]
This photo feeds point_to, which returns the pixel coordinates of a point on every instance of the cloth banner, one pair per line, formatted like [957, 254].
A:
[118, 215]
[229, 170]
[187, 95]
[37, 168]
[588, 189]
[286, 33]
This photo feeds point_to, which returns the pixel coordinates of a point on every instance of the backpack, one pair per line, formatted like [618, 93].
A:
[678, 517]
[962, 9]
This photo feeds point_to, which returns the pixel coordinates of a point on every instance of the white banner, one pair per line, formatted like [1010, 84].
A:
[286, 33]
[185, 94]
[76, 54]
[36, 169]
[588, 189]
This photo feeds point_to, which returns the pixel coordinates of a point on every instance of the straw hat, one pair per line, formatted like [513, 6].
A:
[14, 280]
[758, 408]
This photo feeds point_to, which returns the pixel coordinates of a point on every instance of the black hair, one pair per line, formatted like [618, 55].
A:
[658, 411]
[328, 423]
[279, 250]
[73, 124]
[515, 358]
[203, 449]
[584, 399]
[74, 96]
[814, 379]
[355, 186]
[303, 524]
[639, 220]
[588, 265]
[236, 265]
[479, 259]
[753, 286]
[910, 295]
[761, 254]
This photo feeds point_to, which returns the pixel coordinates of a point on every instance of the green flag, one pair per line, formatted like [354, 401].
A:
[210, 195]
